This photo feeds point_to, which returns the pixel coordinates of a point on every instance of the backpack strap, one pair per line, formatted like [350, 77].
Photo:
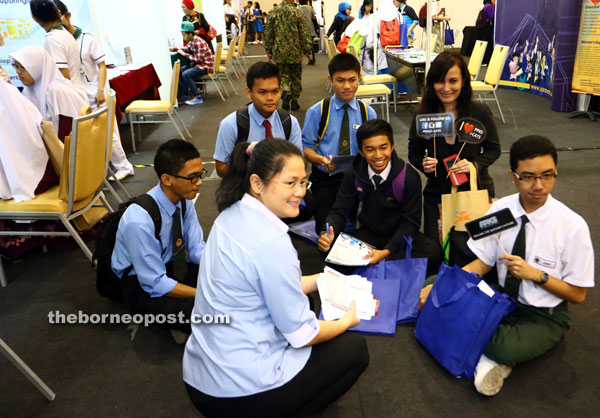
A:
[324, 122]
[398, 184]
[243, 124]
[286, 122]
[364, 113]
[149, 204]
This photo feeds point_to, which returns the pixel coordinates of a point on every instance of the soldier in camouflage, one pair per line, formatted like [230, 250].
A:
[286, 40]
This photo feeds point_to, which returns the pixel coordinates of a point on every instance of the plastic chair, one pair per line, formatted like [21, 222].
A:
[214, 75]
[492, 77]
[476, 59]
[139, 108]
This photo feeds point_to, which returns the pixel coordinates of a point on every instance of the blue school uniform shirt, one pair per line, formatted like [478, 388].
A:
[136, 244]
[329, 145]
[249, 270]
[228, 132]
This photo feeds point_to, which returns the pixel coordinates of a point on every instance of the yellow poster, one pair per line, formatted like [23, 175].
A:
[586, 77]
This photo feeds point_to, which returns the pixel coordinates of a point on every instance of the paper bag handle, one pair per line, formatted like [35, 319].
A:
[472, 179]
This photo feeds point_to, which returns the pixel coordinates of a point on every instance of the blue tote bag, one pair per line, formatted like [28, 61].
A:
[458, 319]
[410, 272]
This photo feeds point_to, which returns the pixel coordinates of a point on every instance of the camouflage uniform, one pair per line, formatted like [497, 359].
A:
[287, 37]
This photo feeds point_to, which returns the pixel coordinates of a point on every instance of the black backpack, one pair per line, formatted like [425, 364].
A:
[108, 284]
[243, 123]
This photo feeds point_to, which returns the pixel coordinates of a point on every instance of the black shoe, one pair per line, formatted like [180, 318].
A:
[285, 100]
[295, 105]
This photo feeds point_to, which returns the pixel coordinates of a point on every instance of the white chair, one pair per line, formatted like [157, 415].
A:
[492, 77]
[139, 108]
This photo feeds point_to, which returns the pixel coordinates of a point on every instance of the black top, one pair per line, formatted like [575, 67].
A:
[338, 27]
[482, 155]
[410, 12]
[381, 213]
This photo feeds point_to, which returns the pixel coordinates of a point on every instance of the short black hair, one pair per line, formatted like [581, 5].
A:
[261, 69]
[44, 11]
[62, 7]
[343, 62]
[374, 127]
[172, 156]
[529, 147]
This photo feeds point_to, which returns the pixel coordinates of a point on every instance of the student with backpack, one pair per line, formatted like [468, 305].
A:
[330, 130]
[159, 272]
[259, 120]
[390, 192]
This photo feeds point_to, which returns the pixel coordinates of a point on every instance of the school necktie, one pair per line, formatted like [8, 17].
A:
[179, 258]
[267, 125]
[511, 283]
[377, 179]
[344, 147]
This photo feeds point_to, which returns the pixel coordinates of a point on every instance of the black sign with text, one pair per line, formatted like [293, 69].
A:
[491, 224]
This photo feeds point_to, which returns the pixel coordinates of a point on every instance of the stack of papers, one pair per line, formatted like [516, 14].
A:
[349, 251]
[337, 291]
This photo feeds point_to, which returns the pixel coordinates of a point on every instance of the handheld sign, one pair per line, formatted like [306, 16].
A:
[435, 124]
[470, 130]
[491, 224]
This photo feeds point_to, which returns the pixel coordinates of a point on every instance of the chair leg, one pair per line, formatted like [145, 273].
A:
[184, 126]
[3, 282]
[218, 89]
[76, 237]
[395, 94]
[139, 125]
[177, 127]
[132, 134]
[231, 83]
[112, 190]
[105, 203]
[27, 372]
[223, 86]
[499, 108]
[234, 71]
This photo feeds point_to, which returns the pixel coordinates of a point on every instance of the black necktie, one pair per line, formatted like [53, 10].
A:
[344, 148]
[377, 179]
[511, 283]
[179, 258]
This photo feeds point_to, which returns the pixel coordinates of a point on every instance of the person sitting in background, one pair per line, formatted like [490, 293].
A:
[93, 77]
[201, 62]
[23, 156]
[384, 219]
[337, 26]
[159, 276]
[551, 264]
[201, 26]
[448, 90]
[58, 42]
[45, 86]
[264, 119]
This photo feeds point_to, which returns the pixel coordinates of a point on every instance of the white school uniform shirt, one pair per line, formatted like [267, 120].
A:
[557, 241]
[23, 156]
[249, 270]
[51, 93]
[90, 55]
[62, 46]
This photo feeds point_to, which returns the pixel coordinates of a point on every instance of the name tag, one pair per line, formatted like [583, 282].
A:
[355, 126]
[544, 263]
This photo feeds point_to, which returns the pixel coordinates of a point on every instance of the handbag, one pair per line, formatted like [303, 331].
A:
[357, 41]
[389, 32]
[341, 46]
[461, 207]
[410, 272]
[458, 319]
[448, 35]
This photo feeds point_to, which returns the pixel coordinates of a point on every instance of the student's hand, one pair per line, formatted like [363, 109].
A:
[326, 162]
[325, 36]
[100, 97]
[376, 256]
[429, 164]
[519, 268]
[424, 295]
[325, 240]
[461, 166]
[180, 52]
[350, 318]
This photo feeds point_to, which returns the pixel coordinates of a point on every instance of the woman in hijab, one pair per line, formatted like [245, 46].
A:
[344, 10]
[23, 157]
[45, 86]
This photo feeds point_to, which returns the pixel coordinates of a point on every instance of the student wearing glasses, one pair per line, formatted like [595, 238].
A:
[551, 264]
[274, 359]
[159, 276]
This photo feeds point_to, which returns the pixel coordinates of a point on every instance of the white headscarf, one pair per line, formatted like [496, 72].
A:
[23, 156]
[52, 93]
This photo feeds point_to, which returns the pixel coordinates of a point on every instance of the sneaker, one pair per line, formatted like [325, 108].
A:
[294, 105]
[489, 376]
[195, 101]
[183, 99]
[121, 174]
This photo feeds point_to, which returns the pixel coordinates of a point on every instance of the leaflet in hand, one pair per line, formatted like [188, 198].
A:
[349, 251]
[337, 292]
[342, 163]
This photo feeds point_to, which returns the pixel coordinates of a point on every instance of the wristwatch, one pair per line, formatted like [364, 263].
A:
[544, 279]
